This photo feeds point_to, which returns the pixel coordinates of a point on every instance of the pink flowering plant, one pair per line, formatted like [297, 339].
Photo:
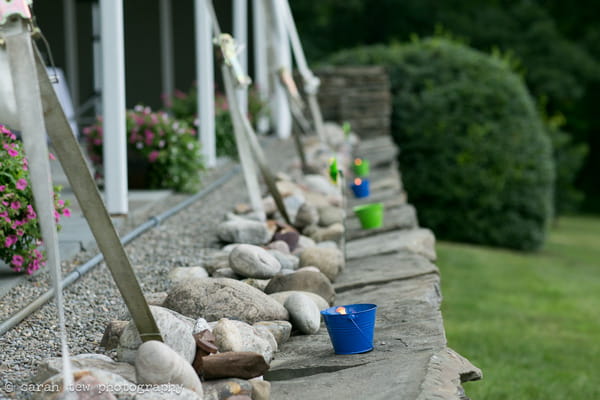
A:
[168, 146]
[20, 236]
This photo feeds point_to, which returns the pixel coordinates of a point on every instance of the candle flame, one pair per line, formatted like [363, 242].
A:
[357, 181]
[357, 161]
[341, 310]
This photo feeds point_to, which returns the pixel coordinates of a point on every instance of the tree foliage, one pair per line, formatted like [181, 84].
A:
[475, 157]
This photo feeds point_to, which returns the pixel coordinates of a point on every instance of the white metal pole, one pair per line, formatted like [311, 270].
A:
[240, 33]
[71, 53]
[166, 48]
[282, 58]
[206, 85]
[113, 104]
[261, 69]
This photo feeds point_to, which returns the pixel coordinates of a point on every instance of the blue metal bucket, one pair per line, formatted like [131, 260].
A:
[351, 333]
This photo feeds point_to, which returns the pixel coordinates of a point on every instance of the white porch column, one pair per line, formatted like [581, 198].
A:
[113, 104]
[166, 48]
[206, 85]
[281, 58]
[240, 33]
[71, 53]
[261, 68]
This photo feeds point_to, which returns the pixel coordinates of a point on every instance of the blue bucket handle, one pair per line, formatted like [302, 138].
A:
[352, 317]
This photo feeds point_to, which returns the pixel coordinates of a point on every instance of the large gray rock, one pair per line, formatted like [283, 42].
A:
[329, 261]
[243, 231]
[53, 366]
[176, 331]
[319, 301]
[253, 262]
[233, 335]
[216, 298]
[308, 281]
[307, 215]
[157, 363]
[304, 313]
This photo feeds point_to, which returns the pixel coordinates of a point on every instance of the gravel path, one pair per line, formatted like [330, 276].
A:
[94, 300]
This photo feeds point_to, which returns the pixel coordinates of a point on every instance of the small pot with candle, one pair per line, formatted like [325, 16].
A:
[360, 187]
[351, 327]
[370, 215]
[361, 167]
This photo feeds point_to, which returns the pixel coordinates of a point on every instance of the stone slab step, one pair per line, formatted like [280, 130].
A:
[418, 241]
[377, 270]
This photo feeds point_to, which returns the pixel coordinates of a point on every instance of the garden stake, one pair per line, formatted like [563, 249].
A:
[19, 50]
[36, 101]
[231, 71]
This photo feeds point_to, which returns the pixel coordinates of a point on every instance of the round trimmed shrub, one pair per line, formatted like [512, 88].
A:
[475, 158]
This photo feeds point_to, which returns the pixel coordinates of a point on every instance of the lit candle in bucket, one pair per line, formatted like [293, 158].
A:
[361, 167]
[360, 187]
[351, 327]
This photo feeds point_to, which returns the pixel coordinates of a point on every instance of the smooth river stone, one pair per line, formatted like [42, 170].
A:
[308, 281]
[216, 298]
[307, 215]
[243, 231]
[157, 363]
[304, 313]
[319, 301]
[253, 262]
[329, 261]
[238, 336]
[330, 215]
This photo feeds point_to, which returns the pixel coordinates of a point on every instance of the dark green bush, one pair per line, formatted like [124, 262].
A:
[475, 158]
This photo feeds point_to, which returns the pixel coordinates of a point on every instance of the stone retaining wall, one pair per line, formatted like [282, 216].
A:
[359, 95]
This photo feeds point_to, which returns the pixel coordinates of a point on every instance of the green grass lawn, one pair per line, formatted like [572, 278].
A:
[530, 321]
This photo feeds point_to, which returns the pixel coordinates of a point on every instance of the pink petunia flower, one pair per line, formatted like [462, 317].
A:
[15, 205]
[2, 188]
[67, 212]
[10, 240]
[153, 156]
[21, 184]
[17, 260]
[13, 153]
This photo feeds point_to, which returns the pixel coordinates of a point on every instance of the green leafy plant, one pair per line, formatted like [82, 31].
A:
[184, 106]
[20, 236]
[167, 148]
[475, 158]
